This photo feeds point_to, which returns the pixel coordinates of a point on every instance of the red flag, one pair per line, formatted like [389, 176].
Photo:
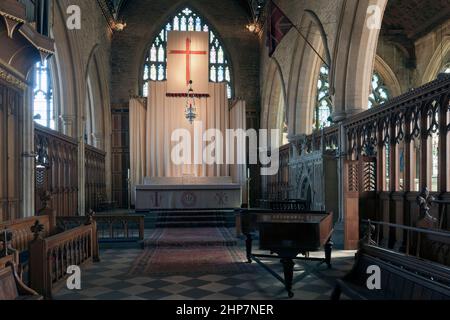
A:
[278, 26]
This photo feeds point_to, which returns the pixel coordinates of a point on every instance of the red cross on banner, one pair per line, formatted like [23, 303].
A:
[188, 52]
[187, 59]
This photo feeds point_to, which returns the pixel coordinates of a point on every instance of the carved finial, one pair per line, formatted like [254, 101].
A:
[89, 217]
[45, 197]
[425, 201]
[368, 233]
[37, 229]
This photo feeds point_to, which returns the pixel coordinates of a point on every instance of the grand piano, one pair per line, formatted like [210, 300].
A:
[286, 235]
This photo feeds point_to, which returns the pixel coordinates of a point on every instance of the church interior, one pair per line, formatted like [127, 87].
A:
[224, 150]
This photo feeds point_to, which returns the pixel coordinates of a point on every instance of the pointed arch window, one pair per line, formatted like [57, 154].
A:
[446, 68]
[155, 65]
[43, 111]
[379, 92]
[323, 101]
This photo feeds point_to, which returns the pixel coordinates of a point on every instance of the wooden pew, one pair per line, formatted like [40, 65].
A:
[402, 277]
[11, 285]
[6, 259]
[429, 244]
[50, 257]
[22, 234]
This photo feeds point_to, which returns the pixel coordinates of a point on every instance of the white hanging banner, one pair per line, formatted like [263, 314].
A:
[187, 59]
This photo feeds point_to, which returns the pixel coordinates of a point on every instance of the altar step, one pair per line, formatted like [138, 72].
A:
[190, 219]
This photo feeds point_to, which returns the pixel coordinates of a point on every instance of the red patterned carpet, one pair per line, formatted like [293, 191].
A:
[189, 237]
[191, 261]
[190, 251]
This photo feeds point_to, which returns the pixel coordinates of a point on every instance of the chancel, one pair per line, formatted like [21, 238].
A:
[224, 150]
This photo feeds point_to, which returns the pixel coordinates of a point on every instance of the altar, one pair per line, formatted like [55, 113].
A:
[188, 193]
[184, 148]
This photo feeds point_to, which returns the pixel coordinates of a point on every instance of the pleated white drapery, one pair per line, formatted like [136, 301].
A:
[138, 111]
[238, 171]
[151, 129]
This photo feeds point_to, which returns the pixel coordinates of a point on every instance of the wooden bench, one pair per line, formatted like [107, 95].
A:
[50, 257]
[11, 286]
[402, 277]
[22, 234]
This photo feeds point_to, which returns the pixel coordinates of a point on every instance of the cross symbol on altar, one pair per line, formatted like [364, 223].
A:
[188, 52]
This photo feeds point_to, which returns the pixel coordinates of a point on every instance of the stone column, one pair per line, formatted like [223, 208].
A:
[339, 117]
[97, 139]
[67, 124]
[81, 177]
[28, 158]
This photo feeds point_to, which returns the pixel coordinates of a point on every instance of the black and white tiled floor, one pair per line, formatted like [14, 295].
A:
[108, 280]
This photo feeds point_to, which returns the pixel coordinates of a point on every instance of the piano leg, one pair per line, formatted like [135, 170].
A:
[248, 247]
[328, 249]
[288, 268]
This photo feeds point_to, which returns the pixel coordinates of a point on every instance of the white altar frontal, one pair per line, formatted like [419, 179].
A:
[188, 193]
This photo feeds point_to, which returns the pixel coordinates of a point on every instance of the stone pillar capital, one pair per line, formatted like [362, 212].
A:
[67, 119]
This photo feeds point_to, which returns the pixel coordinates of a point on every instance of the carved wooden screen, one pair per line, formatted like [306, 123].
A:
[120, 156]
[368, 188]
[278, 184]
[352, 185]
[60, 173]
[95, 177]
[11, 104]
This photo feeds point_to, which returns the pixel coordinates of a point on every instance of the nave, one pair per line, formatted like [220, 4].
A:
[116, 276]
[153, 149]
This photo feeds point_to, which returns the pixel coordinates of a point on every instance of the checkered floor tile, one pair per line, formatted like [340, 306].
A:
[108, 280]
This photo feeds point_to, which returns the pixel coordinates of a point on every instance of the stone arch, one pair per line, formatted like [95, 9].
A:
[440, 57]
[304, 72]
[174, 10]
[389, 77]
[354, 57]
[64, 79]
[93, 114]
[99, 114]
[274, 99]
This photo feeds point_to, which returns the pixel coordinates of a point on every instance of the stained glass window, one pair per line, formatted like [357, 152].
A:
[323, 102]
[446, 68]
[43, 95]
[155, 66]
[379, 93]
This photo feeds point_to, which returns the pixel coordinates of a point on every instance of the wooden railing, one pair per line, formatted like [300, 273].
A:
[110, 227]
[95, 177]
[427, 244]
[57, 170]
[405, 124]
[21, 230]
[50, 257]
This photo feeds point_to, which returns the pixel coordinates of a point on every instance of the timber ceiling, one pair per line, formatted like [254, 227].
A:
[415, 18]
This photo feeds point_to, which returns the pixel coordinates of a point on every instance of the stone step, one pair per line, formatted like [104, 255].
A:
[193, 224]
[189, 213]
[188, 218]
